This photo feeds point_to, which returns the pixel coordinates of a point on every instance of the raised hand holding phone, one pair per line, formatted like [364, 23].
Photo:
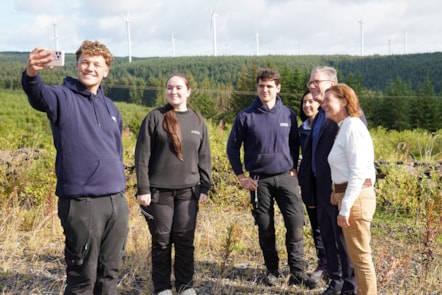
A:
[58, 59]
[42, 59]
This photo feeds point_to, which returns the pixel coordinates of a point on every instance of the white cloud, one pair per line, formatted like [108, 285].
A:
[284, 26]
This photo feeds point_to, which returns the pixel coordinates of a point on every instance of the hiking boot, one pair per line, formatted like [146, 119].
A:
[331, 291]
[190, 291]
[320, 272]
[301, 278]
[271, 278]
[165, 292]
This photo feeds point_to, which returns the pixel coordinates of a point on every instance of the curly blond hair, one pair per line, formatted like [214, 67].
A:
[95, 48]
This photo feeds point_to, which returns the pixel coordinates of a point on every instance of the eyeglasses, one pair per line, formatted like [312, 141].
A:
[315, 82]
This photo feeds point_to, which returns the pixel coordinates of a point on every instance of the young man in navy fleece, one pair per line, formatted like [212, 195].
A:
[86, 128]
[268, 131]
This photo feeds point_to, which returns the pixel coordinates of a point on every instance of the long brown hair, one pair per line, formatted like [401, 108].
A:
[170, 122]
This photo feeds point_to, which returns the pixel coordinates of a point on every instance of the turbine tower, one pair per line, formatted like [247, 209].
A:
[389, 46]
[361, 23]
[173, 45]
[56, 39]
[128, 36]
[257, 44]
[213, 22]
[406, 43]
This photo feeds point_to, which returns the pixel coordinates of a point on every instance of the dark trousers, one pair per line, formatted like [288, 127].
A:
[174, 220]
[316, 233]
[95, 229]
[339, 265]
[283, 189]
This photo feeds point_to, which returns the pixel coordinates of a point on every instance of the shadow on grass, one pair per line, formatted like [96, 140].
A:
[44, 280]
[46, 275]
[242, 279]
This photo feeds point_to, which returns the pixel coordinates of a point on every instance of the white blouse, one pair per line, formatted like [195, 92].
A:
[351, 160]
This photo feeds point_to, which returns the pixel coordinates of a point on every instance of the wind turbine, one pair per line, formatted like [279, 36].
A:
[56, 39]
[406, 42]
[257, 44]
[389, 46]
[213, 23]
[173, 45]
[128, 36]
[362, 35]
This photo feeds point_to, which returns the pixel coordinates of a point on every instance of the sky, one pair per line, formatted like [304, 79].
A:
[242, 27]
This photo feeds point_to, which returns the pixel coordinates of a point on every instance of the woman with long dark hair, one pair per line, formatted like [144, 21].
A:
[173, 167]
[308, 110]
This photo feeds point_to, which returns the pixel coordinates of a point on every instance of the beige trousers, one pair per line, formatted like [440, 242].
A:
[358, 236]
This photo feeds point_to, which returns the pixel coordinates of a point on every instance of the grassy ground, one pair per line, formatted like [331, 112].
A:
[407, 246]
[228, 259]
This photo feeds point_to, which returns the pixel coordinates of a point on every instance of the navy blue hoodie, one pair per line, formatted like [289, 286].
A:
[86, 130]
[270, 138]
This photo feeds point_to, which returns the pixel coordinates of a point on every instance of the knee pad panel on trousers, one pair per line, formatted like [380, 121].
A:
[297, 233]
[264, 222]
[161, 241]
[185, 237]
[266, 233]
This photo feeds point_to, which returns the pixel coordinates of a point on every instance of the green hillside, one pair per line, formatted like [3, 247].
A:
[375, 72]
[397, 92]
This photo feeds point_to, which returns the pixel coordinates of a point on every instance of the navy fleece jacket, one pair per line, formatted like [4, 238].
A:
[86, 130]
[270, 138]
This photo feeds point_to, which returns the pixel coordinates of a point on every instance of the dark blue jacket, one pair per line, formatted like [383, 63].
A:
[86, 130]
[270, 138]
[320, 187]
[303, 135]
[318, 190]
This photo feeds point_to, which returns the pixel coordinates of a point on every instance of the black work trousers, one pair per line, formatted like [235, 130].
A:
[174, 220]
[95, 229]
[283, 189]
[339, 265]
[316, 234]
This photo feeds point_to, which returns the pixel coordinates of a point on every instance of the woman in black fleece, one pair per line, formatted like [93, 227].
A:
[173, 166]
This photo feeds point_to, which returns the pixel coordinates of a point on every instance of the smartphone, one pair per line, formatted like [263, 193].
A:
[58, 56]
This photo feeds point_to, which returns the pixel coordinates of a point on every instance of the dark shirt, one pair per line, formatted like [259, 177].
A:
[270, 138]
[156, 162]
[86, 130]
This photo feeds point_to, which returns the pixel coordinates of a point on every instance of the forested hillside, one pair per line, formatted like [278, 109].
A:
[397, 92]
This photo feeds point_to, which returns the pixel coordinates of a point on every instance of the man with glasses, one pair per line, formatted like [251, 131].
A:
[316, 186]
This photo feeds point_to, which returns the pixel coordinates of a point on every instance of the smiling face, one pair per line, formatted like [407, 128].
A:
[318, 83]
[177, 92]
[310, 106]
[334, 106]
[91, 70]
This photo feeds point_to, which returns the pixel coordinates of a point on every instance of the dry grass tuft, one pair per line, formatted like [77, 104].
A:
[228, 259]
